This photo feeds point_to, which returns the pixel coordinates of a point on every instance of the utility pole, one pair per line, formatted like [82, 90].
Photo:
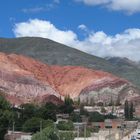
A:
[85, 131]
[55, 127]
[109, 134]
[55, 130]
[41, 129]
[13, 129]
[78, 131]
[13, 126]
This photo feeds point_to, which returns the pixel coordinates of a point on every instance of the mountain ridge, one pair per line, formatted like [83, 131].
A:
[53, 53]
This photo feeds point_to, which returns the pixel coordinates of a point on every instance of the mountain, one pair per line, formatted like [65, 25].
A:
[26, 80]
[54, 53]
[51, 52]
[126, 68]
[119, 61]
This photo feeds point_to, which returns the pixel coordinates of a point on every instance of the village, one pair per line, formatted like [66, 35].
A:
[104, 123]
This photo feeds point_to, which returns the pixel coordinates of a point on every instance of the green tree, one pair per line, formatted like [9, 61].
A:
[6, 116]
[68, 100]
[33, 125]
[27, 112]
[79, 101]
[49, 133]
[4, 104]
[48, 111]
[96, 117]
[67, 107]
[126, 110]
[65, 125]
[131, 111]
[4, 122]
[66, 135]
[76, 117]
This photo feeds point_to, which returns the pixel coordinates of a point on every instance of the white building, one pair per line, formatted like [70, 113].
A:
[18, 136]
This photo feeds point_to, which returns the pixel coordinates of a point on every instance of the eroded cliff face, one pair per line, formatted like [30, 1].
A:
[21, 85]
[26, 80]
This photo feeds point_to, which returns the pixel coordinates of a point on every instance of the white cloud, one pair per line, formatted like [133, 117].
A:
[128, 6]
[45, 29]
[83, 27]
[93, 2]
[125, 44]
[42, 8]
[34, 9]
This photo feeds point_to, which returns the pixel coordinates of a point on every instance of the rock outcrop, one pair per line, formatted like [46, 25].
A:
[25, 80]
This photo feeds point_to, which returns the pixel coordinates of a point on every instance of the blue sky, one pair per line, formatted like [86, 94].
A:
[65, 15]
[100, 19]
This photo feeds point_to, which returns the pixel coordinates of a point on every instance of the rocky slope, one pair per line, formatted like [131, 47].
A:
[24, 80]
[54, 53]
[21, 85]
[126, 68]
